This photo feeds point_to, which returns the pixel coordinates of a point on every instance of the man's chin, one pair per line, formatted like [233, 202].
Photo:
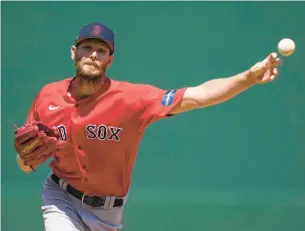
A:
[90, 77]
[89, 73]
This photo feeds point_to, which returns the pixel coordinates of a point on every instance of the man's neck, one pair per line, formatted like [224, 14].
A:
[81, 88]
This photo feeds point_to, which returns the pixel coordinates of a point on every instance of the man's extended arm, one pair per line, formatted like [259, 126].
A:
[222, 89]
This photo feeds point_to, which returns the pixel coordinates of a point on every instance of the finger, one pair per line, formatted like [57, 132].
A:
[278, 61]
[268, 61]
[274, 75]
[271, 60]
[266, 78]
[273, 56]
[268, 75]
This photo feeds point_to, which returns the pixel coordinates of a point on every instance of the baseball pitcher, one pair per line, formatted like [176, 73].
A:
[91, 126]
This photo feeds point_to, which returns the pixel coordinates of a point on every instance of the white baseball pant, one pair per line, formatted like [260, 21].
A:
[63, 212]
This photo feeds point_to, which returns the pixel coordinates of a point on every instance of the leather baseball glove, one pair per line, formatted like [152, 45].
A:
[35, 143]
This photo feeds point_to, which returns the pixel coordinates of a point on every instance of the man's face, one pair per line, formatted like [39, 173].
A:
[92, 58]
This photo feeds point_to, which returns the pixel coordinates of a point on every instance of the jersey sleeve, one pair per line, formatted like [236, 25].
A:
[157, 103]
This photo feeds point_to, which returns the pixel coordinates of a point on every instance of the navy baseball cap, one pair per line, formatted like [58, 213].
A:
[97, 31]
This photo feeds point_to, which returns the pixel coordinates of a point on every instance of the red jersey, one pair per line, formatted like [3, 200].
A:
[102, 131]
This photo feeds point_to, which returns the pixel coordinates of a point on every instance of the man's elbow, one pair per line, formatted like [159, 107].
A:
[184, 106]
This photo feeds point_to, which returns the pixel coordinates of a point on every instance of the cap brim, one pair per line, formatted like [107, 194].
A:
[82, 39]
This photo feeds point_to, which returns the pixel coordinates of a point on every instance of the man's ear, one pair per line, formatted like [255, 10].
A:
[110, 61]
[73, 52]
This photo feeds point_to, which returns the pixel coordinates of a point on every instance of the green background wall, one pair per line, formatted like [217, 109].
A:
[238, 166]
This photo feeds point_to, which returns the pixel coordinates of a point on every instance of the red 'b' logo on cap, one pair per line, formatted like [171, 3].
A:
[96, 30]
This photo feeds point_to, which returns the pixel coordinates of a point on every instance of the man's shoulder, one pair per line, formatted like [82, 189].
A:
[130, 87]
[54, 87]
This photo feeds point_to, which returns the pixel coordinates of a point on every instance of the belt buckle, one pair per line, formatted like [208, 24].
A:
[83, 196]
[98, 201]
[94, 200]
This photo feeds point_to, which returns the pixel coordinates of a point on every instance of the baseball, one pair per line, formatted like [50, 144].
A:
[286, 47]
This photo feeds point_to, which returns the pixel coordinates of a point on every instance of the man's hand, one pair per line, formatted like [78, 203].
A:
[264, 71]
[22, 166]
[35, 143]
[220, 90]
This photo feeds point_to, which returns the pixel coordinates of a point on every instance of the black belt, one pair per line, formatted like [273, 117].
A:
[93, 201]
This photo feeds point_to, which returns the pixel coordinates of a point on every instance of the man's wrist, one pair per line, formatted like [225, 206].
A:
[246, 79]
[24, 167]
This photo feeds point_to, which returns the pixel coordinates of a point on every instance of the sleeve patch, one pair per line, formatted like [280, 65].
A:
[168, 97]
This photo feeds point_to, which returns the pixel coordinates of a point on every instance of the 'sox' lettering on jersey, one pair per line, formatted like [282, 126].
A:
[103, 132]
[62, 131]
[168, 97]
